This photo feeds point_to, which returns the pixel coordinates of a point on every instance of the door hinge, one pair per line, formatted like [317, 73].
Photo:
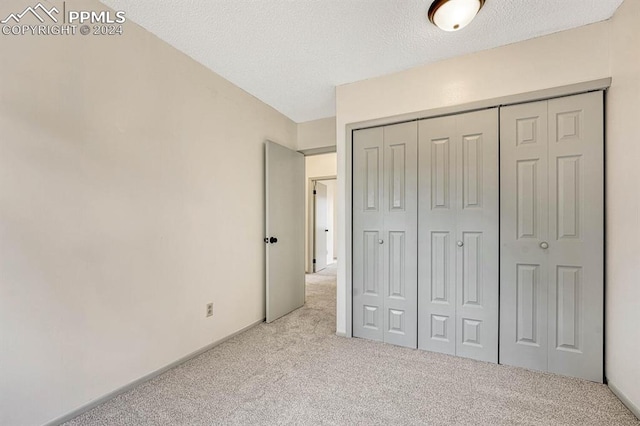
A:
[314, 261]
[314, 192]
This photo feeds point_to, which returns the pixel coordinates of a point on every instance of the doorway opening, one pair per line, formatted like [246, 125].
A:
[290, 223]
[324, 224]
[321, 211]
[321, 233]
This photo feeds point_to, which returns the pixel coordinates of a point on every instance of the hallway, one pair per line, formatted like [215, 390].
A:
[296, 371]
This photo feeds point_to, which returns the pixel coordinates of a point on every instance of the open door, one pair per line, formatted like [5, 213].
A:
[321, 227]
[284, 215]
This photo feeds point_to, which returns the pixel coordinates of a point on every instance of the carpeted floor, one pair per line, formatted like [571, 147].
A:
[297, 371]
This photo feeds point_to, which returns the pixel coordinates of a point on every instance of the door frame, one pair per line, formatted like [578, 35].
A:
[311, 219]
[347, 159]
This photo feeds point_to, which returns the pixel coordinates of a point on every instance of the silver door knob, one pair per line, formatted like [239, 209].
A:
[460, 243]
[380, 241]
[544, 245]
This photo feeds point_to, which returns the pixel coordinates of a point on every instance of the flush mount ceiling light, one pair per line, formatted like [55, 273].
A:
[453, 15]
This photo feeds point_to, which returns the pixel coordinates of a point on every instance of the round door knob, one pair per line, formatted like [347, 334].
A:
[273, 240]
[460, 243]
[380, 241]
[544, 245]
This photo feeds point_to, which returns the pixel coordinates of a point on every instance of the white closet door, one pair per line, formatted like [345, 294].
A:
[524, 219]
[437, 235]
[477, 235]
[576, 236]
[552, 236]
[400, 240]
[458, 234]
[385, 240]
[368, 284]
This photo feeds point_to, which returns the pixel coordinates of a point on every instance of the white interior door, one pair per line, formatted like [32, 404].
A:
[284, 217]
[458, 235]
[400, 237]
[524, 226]
[321, 227]
[437, 235]
[331, 211]
[477, 225]
[552, 236]
[368, 291]
[576, 236]
[385, 234]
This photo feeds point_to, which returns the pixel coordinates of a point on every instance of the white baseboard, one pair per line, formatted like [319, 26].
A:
[341, 334]
[101, 400]
[626, 401]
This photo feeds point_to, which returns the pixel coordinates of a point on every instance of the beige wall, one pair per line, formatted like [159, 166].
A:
[607, 49]
[623, 206]
[560, 59]
[317, 134]
[131, 194]
[323, 165]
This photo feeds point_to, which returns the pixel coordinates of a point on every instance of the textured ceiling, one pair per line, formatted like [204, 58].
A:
[292, 53]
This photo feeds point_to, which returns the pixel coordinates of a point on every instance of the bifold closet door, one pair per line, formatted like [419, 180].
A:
[385, 234]
[552, 236]
[458, 235]
[437, 235]
[368, 291]
[524, 221]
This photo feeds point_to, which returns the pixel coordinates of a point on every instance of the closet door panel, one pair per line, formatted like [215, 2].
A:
[368, 253]
[400, 245]
[437, 233]
[523, 227]
[576, 240]
[477, 235]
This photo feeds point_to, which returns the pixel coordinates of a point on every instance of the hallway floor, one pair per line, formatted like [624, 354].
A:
[297, 371]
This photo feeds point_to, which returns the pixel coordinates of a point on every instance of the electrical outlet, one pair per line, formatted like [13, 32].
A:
[209, 309]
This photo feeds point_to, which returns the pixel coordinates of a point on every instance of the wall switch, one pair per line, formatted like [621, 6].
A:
[209, 309]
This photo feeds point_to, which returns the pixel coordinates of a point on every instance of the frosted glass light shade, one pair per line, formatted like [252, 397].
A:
[453, 15]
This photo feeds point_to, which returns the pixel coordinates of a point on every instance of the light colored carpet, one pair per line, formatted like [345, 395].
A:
[296, 371]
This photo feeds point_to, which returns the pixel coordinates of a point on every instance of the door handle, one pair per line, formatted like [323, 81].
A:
[380, 241]
[460, 243]
[326, 230]
[273, 240]
[544, 245]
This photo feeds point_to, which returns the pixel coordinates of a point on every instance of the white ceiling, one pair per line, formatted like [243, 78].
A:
[292, 53]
